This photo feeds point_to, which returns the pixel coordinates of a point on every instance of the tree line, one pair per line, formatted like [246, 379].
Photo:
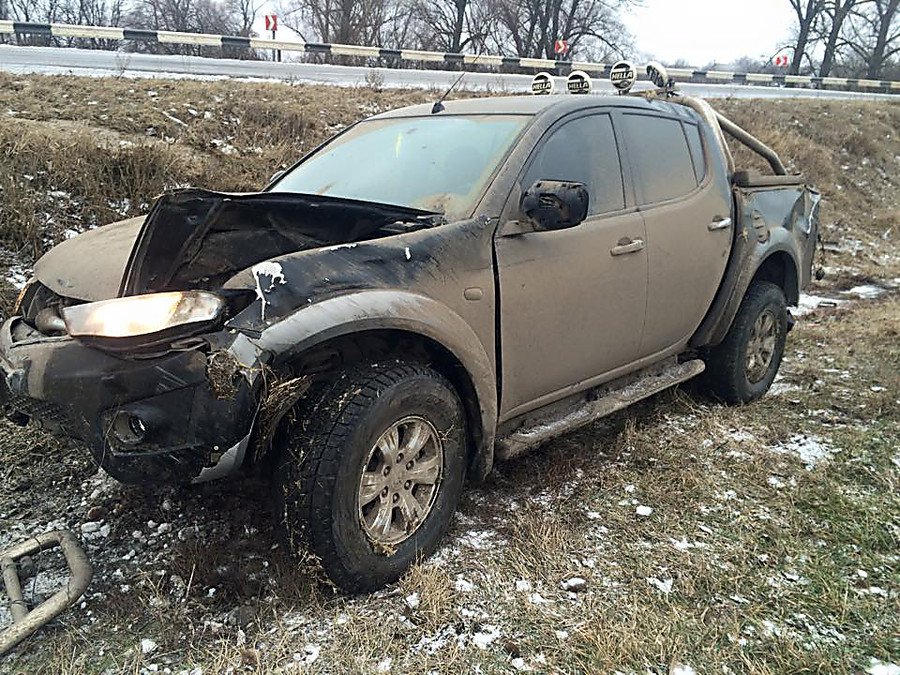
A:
[845, 38]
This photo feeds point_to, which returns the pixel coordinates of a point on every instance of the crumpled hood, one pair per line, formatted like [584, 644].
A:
[198, 239]
[90, 266]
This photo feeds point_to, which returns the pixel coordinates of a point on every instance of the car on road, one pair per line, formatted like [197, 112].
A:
[431, 290]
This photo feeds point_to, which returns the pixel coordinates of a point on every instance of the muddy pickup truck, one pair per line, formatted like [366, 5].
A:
[431, 290]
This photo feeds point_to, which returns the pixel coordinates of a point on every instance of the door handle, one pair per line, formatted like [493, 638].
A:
[626, 246]
[719, 224]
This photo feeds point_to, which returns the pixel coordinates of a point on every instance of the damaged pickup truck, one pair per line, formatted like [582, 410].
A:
[427, 292]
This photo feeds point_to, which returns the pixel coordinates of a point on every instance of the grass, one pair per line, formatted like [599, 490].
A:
[748, 562]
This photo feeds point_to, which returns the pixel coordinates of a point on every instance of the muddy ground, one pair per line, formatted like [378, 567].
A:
[676, 537]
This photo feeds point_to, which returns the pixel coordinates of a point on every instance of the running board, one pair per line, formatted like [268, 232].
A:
[526, 438]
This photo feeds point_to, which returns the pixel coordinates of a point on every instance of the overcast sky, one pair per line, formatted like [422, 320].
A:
[705, 31]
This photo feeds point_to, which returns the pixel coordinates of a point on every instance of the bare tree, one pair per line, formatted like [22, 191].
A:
[809, 13]
[86, 12]
[837, 13]
[189, 16]
[449, 25]
[244, 13]
[875, 35]
[341, 21]
[530, 27]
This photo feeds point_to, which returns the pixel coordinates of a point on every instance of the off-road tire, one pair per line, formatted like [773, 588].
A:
[319, 477]
[726, 378]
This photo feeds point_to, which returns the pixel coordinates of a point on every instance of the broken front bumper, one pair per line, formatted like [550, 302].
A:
[145, 420]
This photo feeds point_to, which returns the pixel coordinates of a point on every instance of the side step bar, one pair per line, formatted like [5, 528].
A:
[526, 438]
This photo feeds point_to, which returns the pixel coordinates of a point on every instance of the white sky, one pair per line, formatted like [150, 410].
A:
[706, 31]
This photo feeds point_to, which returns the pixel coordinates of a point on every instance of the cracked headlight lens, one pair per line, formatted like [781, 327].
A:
[142, 314]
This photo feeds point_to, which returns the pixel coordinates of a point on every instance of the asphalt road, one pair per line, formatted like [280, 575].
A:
[51, 60]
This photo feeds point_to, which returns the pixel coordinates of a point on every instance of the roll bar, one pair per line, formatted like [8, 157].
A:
[721, 123]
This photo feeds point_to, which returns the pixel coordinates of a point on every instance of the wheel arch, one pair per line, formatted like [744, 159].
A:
[360, 324]
[780, 268]
[775, 262]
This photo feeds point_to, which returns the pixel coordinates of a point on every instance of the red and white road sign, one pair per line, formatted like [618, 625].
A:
[781, 61]
[561, 47]
[271, 22]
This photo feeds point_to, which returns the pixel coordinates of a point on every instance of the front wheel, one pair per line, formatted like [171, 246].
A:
[742, 368]
[373, 472]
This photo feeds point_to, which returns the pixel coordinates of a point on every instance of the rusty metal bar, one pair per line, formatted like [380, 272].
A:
[24, 622]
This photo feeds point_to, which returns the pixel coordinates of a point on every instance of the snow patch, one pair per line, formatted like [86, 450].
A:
[662, 585]
[483, 638]
[463, 586]
[865, 292]
[809, 449]
[877, 667]
[681, 669]
[810, 303]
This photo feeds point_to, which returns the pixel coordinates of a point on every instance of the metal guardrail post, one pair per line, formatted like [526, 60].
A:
[27, 622]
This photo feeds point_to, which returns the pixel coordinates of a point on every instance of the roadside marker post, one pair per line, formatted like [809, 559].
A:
[272, 25]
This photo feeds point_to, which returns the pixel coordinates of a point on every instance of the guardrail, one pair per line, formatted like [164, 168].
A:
[59, 30]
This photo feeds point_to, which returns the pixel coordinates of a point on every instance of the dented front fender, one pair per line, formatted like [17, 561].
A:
[386, 310]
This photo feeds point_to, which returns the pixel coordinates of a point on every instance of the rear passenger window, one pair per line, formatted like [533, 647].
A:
[584, 151]
[660, 158]
[696, 146]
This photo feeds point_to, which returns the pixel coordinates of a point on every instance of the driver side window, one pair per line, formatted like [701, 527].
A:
[582, 150]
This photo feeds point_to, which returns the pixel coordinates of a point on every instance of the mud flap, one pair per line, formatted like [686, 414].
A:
[27, 622]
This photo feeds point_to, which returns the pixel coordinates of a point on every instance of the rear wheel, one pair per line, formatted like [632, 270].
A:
[373, 472]
[742, 368]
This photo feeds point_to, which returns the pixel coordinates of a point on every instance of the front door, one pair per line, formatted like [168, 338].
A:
[572, 301]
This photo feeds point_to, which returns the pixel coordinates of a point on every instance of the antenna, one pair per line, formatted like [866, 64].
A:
[439, 104]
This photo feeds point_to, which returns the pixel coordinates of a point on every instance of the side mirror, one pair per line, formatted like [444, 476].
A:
[553, 205]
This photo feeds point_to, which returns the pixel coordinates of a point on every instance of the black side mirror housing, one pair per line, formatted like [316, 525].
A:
[553, 205]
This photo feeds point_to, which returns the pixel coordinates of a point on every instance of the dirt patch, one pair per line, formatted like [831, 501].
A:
[281, 396]
[223, 371]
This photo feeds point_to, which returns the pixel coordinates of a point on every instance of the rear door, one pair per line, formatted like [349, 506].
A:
[572, 301]
[686, 203]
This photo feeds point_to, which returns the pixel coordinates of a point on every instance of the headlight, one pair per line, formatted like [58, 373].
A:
[141, 314]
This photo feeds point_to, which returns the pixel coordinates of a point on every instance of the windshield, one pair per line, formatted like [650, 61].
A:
[439, 164]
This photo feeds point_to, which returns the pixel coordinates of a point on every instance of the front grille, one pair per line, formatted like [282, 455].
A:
[37, 410]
